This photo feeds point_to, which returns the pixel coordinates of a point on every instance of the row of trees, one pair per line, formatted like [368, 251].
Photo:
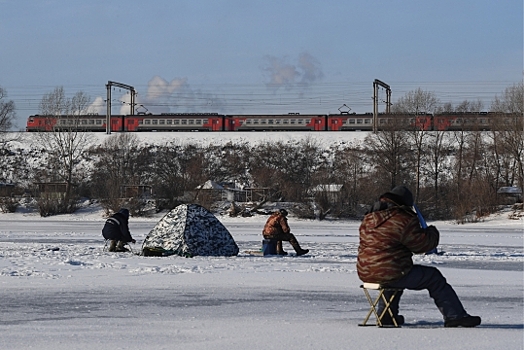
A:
[452, 174]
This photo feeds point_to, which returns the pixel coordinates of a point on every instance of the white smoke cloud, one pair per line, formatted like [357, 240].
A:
[310, 68]
[159, 88]
[282, 74]
[98, 106]
[176, 96]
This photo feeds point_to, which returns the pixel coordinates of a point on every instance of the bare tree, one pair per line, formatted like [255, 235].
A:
[437, 149]
[7, 111]
[389, 152]
[121, 163]
[417, 104]
[7, 115]
[66, 145]
[509, 131]
[350, 169]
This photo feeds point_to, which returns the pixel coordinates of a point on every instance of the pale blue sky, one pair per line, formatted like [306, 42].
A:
[240, 56]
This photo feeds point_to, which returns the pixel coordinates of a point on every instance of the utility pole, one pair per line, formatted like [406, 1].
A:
[108, 101]
[376, 84]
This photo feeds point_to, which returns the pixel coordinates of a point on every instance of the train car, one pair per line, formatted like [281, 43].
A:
[465, 121]
[76, 122]
[364, 122]
[276, 122]
[350, 122]
[405, 121]
[40, 123]
[279, 122]
[175, 122]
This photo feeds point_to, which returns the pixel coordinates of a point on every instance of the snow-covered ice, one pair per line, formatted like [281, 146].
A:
[60, 290]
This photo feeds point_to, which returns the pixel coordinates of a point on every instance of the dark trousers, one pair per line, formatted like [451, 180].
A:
[285, 237]
[427, 277]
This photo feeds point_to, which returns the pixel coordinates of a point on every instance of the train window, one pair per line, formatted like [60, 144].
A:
[285, 121]
[255, 121]
[277, 121]
[176, 121]
[198, 122]
[359, 121]
[154, 122]
[270, 121]
[262, 121]
[84, 122]
[292, 121]
[191, 122]
[161, 122]
[183, 122]
[147, 122]
[91, 122]
[70, 122]
[248, 121]
[367, 121]
[351, 121]
[98, 122]
[169, 122]
[301, 121]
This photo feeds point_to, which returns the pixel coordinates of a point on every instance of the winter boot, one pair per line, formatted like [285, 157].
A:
[280, 250]
[387, 321]
[120, 247]
[294, 243]
[112, 245]
[302, 252]
[466, 321]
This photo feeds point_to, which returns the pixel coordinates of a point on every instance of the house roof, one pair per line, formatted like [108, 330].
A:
[210, 185]
[328, 188]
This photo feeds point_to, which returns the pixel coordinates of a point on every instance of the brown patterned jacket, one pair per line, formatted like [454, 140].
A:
[275, 224]
[388, 240]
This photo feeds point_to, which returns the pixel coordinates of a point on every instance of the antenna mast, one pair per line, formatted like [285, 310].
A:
[108, 101]
[376, 84]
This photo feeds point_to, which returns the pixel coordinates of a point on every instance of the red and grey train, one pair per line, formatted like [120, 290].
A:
[257, 122]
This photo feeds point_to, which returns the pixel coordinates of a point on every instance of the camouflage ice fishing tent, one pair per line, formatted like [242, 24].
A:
[189, 230]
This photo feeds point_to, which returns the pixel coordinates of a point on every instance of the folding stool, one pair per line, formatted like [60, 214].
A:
[374, 303]
[269, 246]
[106, 248]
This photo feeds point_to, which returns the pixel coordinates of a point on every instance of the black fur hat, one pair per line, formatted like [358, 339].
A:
[400, 195]
[124, 212]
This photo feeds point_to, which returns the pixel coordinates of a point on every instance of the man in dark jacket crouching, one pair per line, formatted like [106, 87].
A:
[389, 236]
[116, 229]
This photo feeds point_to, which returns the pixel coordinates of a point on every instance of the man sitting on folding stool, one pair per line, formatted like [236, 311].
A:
[389, 236]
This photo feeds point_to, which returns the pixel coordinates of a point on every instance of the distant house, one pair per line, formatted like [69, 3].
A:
[331, 191]
[6, 190]
[136, 191]
[50, 188]
[210, 185]
[214, 190]
[230, 192]
[513, 194]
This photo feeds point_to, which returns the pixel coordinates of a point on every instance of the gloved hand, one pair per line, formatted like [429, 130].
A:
[431, 230]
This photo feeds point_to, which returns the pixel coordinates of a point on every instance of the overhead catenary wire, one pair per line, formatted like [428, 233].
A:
[325, 97]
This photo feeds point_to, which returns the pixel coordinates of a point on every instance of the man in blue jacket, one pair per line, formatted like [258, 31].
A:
[116, 229]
